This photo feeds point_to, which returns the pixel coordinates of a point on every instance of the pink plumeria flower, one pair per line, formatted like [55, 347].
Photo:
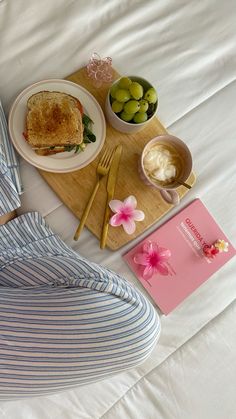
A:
[125, 214]
[153, 258]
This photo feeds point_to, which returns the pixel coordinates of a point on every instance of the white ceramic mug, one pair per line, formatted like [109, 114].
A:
[168, 192]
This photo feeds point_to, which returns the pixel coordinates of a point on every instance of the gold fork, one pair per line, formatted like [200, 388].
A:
[102, 170]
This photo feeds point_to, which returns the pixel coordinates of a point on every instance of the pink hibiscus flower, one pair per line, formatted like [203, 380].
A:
[125, 214]
[153, 258]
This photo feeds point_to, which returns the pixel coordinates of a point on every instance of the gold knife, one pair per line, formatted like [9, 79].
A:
[111, 183]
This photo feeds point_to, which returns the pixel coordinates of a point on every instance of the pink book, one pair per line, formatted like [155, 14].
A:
[182, 264]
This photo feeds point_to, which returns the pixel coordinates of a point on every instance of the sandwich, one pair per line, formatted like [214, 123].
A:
[56, 123]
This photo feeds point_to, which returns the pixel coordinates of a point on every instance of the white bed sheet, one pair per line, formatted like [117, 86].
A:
[187, 50]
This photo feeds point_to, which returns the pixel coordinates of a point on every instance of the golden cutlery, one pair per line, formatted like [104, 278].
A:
[102, 170]
[111, 183]
[184, 184]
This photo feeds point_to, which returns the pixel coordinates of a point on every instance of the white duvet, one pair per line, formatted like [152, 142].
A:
[187, 50]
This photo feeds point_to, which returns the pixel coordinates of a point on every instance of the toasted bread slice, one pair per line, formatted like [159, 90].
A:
[53, 119]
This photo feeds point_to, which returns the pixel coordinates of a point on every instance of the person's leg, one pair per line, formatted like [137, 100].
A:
[56, 339]
[64, 321]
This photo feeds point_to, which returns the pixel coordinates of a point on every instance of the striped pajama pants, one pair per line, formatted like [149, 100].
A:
[64, 321]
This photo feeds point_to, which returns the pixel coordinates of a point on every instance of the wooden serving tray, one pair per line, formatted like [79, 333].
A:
[74, 188]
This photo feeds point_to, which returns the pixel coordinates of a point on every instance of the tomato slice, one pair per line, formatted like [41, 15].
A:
[25, 135]
[80, 107]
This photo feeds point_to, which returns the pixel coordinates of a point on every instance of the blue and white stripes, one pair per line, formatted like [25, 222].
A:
[9, 198]
[10, 180]
[64, 321]
[8, 151]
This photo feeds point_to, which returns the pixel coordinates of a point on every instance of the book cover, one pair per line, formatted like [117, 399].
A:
[171, 262]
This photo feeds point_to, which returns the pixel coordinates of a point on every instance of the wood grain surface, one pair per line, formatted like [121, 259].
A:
[75, 188]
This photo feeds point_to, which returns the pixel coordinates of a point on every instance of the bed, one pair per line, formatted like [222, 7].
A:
[187, 50]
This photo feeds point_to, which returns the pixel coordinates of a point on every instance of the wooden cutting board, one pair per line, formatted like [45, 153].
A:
[74, 188]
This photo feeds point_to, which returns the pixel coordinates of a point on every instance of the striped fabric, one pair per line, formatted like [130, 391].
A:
[64, 321]
[9, 198]
[11, 159]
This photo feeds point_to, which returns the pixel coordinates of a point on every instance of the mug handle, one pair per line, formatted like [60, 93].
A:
[170, 196]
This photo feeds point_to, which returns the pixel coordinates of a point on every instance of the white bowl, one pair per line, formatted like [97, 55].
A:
[119, 124]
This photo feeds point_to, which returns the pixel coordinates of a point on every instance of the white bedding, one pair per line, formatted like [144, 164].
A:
[187, 50]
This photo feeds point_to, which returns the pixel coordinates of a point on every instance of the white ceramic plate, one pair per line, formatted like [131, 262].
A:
[61, 162]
